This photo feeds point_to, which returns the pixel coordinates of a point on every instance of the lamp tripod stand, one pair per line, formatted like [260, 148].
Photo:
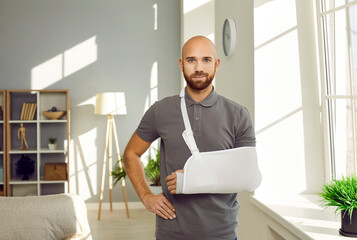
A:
[108, 145]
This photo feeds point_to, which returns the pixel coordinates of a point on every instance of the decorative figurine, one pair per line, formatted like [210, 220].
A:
[21, 135]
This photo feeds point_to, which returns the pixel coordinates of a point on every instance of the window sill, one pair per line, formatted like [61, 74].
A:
[302, 216]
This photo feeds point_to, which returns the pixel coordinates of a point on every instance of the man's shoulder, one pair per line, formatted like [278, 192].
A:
[167, 102]
[230, 103]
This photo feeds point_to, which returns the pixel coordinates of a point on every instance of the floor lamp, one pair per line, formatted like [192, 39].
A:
[110, 104]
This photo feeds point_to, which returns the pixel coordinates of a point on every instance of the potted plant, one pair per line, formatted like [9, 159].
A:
[52, 145]
[25, 166]
[118, 173]
[343, 195]
[152, 173]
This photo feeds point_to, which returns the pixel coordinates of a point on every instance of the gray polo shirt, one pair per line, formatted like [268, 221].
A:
[218, 123]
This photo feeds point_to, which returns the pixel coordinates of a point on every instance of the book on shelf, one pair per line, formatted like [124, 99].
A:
[28, 111]
[33, 111]
[22, 111]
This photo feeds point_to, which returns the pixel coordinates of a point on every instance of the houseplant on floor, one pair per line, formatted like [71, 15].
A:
[118, 173]
[152, 173]
[343, 195]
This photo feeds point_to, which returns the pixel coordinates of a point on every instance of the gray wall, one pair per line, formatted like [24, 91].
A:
[33, 32]
[235, 77]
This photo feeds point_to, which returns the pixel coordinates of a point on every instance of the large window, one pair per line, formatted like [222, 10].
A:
[339, 37]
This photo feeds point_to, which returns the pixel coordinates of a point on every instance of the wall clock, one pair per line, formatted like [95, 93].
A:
[229, 36]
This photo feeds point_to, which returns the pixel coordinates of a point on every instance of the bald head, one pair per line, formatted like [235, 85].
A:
[199, 45]
[199, 63]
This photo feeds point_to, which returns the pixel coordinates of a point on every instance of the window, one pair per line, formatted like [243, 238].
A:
[339, 38]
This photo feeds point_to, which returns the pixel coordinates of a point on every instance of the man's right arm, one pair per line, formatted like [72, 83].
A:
[157, 204]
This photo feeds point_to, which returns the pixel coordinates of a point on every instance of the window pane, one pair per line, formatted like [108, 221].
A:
[337, 47]
[353, 35]
[330, 4]
[342, 134]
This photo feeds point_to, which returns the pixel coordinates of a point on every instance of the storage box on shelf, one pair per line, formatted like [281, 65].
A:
[38, 129]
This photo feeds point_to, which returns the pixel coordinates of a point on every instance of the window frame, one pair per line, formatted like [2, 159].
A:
[326, 94]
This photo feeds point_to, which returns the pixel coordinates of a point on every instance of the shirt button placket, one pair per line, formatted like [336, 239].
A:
[197, 118]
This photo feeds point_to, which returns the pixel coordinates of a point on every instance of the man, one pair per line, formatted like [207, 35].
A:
[217, 123]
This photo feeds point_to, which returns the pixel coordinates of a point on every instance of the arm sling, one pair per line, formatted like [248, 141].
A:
[225, 171]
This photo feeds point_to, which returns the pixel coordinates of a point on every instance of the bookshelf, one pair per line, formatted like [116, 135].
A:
[24, 114]
[2, 143]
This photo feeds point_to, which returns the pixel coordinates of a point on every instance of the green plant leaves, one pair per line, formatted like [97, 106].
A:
[118, 173]
[341, 194]
[152, 170]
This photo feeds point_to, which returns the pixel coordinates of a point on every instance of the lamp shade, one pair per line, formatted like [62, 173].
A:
[110, 103]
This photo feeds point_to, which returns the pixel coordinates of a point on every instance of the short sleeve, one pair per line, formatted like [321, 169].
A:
[147, 128]
[245, 134]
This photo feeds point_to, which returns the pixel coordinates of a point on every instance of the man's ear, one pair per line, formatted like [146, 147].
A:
[180, 62]
[217, 63]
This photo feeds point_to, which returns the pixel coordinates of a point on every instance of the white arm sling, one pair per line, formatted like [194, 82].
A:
[225, 171]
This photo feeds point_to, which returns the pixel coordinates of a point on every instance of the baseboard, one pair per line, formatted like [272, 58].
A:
[116, 206]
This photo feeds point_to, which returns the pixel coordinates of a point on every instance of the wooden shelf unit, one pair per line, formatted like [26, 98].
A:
[38, 131]
[2, 143]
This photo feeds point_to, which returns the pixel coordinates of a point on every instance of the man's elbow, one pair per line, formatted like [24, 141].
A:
[126, 158]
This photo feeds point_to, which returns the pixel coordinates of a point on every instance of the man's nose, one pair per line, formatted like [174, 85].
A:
[198, 66]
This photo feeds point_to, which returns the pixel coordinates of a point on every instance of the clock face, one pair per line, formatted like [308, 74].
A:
[226, 37]
[229, 36]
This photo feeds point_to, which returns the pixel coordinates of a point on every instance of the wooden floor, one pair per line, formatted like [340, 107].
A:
[115, 225]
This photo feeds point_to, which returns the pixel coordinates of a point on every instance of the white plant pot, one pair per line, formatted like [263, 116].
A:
[52, 146]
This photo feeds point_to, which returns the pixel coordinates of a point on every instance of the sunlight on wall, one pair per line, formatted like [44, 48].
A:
[281, 153]
[191, 5]
[63, 65]
[155, 16]
[80, 56]
[211, 37]
[278, 100]
[153, 84]
[89, 101]
[273, 18]
[278, 89]
[151, 98]
[86, 166]
[198, 18]
[47, 73]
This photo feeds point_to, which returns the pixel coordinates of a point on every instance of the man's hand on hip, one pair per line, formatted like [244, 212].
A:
[171, 181]
[159, 205]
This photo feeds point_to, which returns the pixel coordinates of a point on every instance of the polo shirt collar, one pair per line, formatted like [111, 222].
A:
[209, 101]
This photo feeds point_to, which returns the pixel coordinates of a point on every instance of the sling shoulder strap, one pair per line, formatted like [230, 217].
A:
[188, 133]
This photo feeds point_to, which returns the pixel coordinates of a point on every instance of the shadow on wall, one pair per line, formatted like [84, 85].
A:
[90, 47]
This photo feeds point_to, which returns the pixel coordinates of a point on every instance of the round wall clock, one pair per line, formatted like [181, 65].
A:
[229, 36]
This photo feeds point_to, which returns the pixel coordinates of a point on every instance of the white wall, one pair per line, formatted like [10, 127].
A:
[88, 47]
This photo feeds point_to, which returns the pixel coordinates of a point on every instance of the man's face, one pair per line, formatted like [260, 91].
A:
[199, 64]
[196, 76]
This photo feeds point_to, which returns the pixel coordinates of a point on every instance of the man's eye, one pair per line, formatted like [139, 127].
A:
[207, 60]
[190, 60]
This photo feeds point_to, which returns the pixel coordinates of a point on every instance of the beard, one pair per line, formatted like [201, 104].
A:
[200, 84]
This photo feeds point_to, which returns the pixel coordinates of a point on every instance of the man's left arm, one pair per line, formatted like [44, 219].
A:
[244, 137]
[244, 130]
